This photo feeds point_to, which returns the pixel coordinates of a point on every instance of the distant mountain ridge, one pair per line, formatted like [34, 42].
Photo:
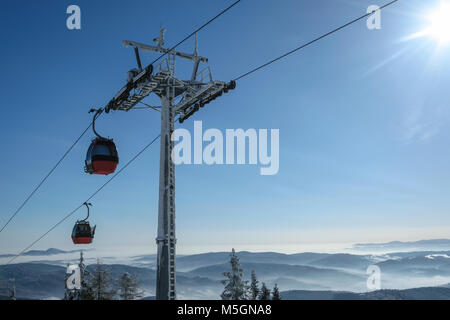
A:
[190, 262]
[41, 281]
[432, 244]
[425, 293]
[303, 275]
[48, 252]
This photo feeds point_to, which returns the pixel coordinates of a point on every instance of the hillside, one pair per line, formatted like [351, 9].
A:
[428, 293]
[303, 275]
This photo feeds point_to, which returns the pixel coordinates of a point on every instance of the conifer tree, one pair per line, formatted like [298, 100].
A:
[254, 289]
[84, 292]
[235, 287]
[100, 283]
[128, 287]
[265, 292]
[276, 293]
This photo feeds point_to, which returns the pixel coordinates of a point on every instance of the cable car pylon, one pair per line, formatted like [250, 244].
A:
[195, 92]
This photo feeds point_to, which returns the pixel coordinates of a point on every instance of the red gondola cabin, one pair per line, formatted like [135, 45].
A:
[101, 157]
[82, 233]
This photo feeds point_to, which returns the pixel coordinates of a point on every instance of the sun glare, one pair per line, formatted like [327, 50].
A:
[439, 28]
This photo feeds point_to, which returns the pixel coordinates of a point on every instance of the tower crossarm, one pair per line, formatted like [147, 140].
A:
[198, 96]
[150, 48]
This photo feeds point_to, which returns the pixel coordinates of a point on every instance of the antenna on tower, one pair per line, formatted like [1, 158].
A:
[196, 45]
[196, 60]
[160, 39]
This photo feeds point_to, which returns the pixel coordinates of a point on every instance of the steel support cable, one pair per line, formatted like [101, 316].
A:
[313, 41]
[45, 178]
[87, 200]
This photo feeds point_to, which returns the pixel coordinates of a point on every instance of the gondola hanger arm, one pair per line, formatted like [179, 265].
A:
[87, 204]
[96, 115]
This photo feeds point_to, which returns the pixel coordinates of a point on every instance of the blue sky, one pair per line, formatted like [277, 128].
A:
[363, 118]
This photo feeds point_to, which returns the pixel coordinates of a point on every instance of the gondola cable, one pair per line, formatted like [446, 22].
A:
[44, 179]
[313, 41]
[81, 205]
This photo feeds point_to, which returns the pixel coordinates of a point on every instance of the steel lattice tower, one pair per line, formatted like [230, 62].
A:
[178, 98]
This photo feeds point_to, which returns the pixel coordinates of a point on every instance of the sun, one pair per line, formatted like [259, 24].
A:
[439, 28]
